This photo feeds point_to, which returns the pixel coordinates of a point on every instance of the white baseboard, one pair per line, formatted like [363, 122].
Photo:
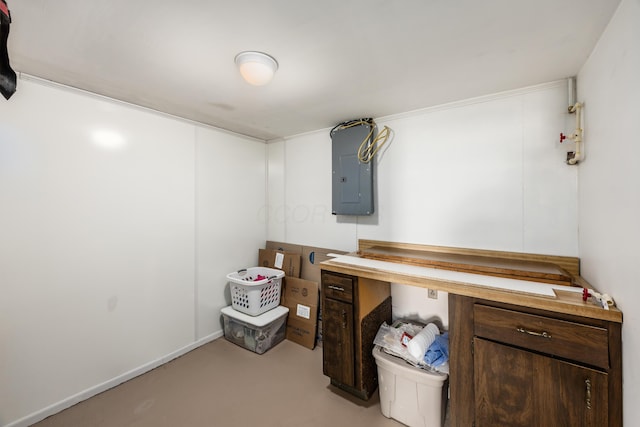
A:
[97, 389]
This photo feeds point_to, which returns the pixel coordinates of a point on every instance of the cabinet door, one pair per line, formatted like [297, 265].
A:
[504, 385]
[337, 345]
[518, 388]
[571, 395]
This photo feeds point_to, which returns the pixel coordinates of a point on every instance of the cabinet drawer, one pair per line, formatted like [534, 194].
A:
[337, 287]
[575, 341]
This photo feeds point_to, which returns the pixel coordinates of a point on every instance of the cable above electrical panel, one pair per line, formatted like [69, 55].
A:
[369, 147]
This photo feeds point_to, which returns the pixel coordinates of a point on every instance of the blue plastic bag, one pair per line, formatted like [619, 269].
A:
[438, 352]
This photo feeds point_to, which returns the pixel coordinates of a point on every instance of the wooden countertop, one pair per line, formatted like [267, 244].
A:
[529, 280]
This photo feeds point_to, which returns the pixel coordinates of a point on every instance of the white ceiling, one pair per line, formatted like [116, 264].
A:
[339, 59]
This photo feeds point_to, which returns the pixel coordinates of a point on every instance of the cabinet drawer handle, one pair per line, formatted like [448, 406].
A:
[587, 382]
[542, 334]
[336, 288]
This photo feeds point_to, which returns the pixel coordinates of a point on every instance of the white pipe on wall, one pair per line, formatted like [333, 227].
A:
[571, 91]
[577, 134]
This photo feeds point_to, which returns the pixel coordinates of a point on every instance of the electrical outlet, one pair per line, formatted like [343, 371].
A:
[432, 293]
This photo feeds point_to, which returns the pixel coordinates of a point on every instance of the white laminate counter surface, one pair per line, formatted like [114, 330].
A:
[507, 284]
[545, 296]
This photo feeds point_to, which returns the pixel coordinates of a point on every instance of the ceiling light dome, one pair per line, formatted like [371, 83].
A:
[256, 68]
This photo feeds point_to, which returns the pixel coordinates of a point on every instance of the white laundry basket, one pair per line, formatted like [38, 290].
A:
[255, 290]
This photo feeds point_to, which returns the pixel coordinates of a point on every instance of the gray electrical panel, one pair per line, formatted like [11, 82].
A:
[352, 180]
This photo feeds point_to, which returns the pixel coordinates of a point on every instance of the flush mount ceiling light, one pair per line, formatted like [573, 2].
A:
[256, 68]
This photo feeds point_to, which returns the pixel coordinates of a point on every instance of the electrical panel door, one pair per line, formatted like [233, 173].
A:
[352, 180]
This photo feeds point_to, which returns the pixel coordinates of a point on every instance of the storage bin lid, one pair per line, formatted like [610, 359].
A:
[260, 320]
[401, 368]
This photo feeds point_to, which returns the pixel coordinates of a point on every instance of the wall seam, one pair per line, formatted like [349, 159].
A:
[267, 214]
[284, 190]
[196, 282]
[523, 173]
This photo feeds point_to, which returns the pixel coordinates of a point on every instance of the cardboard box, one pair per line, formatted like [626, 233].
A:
[309, 269]
[284, 247]
[286, 261]
[301, 298]
[311, 259]
[300, 332]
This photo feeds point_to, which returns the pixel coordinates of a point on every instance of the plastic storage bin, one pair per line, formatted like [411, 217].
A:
[255, 333]
[255, 290]
[411, 395]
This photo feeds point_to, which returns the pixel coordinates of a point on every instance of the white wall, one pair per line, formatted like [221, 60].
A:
[231, 226]
[484, 173]
[111, 259]
[112, 252]
[299, 197]
[609, 194]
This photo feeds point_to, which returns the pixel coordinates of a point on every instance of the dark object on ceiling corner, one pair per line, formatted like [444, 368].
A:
[8, 80]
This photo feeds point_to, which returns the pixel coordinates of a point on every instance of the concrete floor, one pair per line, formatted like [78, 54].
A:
[223, 385]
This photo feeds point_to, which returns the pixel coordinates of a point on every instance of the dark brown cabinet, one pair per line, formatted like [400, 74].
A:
[520, 388]
[353, 308]
[516, 359]
[520, 367]
[338, 331]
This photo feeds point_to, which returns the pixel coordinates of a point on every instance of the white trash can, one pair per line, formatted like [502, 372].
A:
[411, 395]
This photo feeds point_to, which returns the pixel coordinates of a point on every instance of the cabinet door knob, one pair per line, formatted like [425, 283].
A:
[587, 383]
[344, 319]
[542, 334]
